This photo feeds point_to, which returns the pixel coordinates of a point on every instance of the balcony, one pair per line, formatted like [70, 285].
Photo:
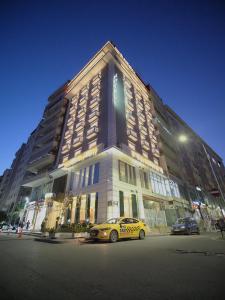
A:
[65, 149]
[41, 161]
[127, 84]
[156, 152]
[143, 130]
[70, 121]
[130, 106]
[145, 145]
[78, 141]
[95, 92]
[132, 134]
[93, 116]
[83, 101]
[140, 106]
[96, 79]
[141, 118]
[79, 126]
[94, 102]
[92, 132]
[68, 134]
[128, 93]
[84, 90]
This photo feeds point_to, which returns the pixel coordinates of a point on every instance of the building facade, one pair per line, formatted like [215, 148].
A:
[107, 146]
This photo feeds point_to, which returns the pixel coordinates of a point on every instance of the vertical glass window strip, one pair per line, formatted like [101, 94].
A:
[90, 175]
[72, 181]
[96, 173]
[96, 207]
[79, 179]
[146, 180]
[134, 206]
[77, 211]
[121, 199]
[83, 177]
[88, 205]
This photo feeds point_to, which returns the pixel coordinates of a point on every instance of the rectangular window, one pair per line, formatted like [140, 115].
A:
[88, 207]
[127, 173]
[96, 207]
[121, 197]
[90, 175]
[134, 205]
[96, 173]
[84, 177]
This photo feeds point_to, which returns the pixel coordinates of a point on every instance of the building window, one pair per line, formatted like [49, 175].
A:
[96, 207]
[96, 174]
[144, 179]
[121, 199]
[85, 177]
[127, 173]
[160, 184]
[134, 205]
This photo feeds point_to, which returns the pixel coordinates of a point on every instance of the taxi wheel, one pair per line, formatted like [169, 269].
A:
[141, 234]
[113, 236]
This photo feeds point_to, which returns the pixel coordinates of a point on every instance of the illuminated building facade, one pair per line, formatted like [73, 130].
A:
[107, 147]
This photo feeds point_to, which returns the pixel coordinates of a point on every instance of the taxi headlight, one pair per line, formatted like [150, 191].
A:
[106, 228]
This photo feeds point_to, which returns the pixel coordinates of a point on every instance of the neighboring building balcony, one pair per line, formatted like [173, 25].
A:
[149, 115]
[93, 116]
[132, 134]
[92, 132]
[68, 134]
[41, 161]
[73, 110]
[78, 141]
[46, 139]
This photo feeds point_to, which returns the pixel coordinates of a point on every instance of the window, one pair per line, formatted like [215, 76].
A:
[96, 207]
[121, 199]
[144, 179]
[85, 177]
[127, 173]
[160, 184]
[134, 205]
[96, 173]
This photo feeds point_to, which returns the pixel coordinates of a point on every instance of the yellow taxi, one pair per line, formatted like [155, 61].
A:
[119, 228]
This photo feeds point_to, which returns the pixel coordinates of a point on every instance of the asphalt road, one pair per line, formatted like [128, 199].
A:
[165, 267]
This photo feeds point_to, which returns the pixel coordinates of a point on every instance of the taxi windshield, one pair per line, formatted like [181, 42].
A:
[112, 221]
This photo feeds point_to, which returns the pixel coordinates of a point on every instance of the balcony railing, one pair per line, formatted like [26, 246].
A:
[93, 116]
[92, 132]
[132, 134]
[77, 141]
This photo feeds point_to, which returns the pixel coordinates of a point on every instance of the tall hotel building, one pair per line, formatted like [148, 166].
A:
[114, 153]
[109, 161]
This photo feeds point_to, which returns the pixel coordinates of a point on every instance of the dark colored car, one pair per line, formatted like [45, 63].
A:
[185, 226]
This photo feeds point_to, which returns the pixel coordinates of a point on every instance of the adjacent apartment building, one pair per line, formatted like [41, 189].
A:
[108, 146]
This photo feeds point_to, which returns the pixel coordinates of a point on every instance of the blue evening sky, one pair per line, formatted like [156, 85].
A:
[176, 46]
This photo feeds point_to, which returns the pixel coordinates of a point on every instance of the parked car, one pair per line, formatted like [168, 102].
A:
[185, 226]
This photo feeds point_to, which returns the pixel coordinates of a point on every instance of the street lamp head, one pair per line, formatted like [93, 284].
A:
[182, 138]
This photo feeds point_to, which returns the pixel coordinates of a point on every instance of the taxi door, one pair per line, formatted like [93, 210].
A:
[127, 229]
